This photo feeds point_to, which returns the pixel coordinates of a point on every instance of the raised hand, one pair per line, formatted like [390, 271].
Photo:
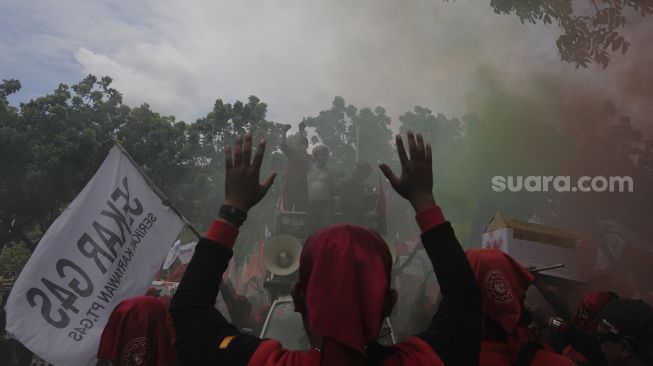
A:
[242, 188]
[416, 180]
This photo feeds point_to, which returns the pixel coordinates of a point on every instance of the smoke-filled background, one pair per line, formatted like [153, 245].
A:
[500, 88]
[180, 57]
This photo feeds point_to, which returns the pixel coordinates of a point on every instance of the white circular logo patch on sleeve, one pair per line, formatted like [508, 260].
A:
[135, 353]
[497, 287]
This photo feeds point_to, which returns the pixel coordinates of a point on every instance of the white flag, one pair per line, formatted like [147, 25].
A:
[171, 256]
[183, 252]
[105, 247]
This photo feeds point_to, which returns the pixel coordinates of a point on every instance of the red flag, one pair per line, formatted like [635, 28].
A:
[255, 269]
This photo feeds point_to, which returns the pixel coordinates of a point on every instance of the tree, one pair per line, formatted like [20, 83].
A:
[50, 147]
[588, 36]
[445, 136]
[333, 129]
[13, 258]
[207, 138]
[372, 134]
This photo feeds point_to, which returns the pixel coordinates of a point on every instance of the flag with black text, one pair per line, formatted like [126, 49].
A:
[106, 246]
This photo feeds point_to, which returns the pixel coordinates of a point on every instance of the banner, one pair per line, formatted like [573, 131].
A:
[106, 246]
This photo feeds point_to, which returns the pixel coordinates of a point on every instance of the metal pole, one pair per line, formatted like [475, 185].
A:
[164, 199]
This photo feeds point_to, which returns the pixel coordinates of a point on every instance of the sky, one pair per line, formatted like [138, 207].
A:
[296, 56]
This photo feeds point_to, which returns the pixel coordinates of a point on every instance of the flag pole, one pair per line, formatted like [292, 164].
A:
[164, 199]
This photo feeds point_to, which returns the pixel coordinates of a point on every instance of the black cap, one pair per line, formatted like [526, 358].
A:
[629, 318]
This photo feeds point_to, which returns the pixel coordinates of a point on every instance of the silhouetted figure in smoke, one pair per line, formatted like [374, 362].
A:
[357, 196]
[322, 187]
[296, 187]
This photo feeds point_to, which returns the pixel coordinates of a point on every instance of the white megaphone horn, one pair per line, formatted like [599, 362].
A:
[281, 254]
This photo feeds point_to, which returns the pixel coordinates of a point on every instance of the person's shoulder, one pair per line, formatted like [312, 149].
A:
[415, 352]
[271, 353]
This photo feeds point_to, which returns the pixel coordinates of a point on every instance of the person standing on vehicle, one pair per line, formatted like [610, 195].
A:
[296, 186]
[322, 189]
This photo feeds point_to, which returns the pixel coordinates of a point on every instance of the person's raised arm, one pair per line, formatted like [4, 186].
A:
[455, 331]
[204, 337]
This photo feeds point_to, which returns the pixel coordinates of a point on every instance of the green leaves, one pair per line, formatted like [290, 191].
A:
[8, 87]
[13, 258]
[586, 38]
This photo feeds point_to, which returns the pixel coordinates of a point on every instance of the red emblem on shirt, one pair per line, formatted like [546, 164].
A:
[497, 287]
[135, 353]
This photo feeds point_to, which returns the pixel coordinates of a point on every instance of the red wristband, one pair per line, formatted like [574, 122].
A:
[223, 233]
[429, 218]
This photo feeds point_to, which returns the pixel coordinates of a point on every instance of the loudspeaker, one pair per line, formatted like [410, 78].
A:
[281, 254]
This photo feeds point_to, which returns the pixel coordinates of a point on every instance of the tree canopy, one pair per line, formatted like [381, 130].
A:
[590, 31]
[52, 145]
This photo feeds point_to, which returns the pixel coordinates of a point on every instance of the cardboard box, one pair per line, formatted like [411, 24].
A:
[534, 245]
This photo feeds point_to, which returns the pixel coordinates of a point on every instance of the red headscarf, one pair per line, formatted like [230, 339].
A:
[137, 334]
[345, 275]
[587, 314]
[503, 284]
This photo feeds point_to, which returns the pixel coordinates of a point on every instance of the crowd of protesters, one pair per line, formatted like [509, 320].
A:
[344, 291]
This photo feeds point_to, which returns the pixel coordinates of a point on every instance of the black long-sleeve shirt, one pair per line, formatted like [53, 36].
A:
[454, 332]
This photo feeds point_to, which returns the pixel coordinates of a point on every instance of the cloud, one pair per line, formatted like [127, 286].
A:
[155, 74]
[295, 55]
